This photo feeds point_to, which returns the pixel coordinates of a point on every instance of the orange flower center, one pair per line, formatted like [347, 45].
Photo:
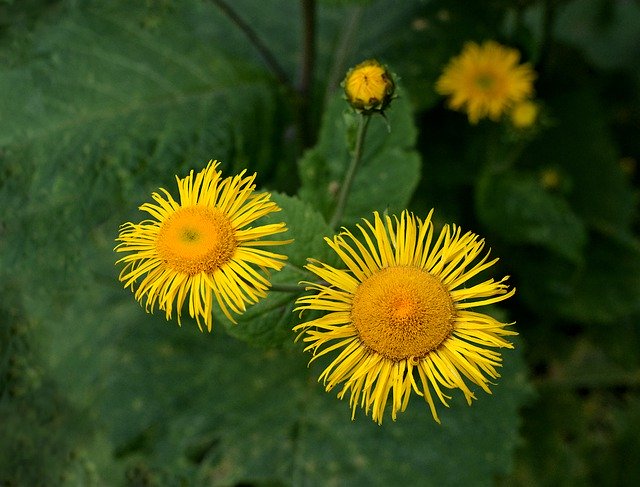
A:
[196, 239]
[402, 312]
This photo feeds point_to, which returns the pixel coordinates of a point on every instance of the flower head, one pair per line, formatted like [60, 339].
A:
[399, 315]
[486, 80]
[201, 247]
[524, 114]
[369, 86]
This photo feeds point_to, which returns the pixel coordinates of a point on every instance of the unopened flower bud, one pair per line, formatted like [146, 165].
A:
[369, 86]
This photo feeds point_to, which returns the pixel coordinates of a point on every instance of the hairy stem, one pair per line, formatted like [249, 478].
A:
[286, 288]
[363, 123]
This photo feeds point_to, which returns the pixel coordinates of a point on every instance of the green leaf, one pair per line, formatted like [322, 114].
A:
[41, 430]
[608, 285]
[177, 405]
[306, 227]
[388, 172]
[607, 32]
[580, 144]
[603, 288]
[206, 409]
[269, 322]
[113, 102]
[517, 207]
[415, 449]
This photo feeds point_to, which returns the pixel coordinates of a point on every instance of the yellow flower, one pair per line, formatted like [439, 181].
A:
[486, 80]
[399, 316]
[524, 114]
[201, 247]
[369, 86]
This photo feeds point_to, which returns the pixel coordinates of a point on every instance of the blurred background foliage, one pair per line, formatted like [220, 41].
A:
[103, 102]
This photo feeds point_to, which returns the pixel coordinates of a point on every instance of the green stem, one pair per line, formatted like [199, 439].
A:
[307, 71]
[286, 288]
[260, 46]
[351, 171]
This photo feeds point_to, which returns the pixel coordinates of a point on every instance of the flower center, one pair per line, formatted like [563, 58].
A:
[196, 239]
[485, 82]
[402, 312]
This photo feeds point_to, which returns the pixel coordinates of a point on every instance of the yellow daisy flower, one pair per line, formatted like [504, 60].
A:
[399, 316]
[202, 247]
[486, 80]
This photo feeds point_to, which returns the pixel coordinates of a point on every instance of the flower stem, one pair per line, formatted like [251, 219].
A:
[351, 171]
[260, 46]
[286, 288]
[306, 71]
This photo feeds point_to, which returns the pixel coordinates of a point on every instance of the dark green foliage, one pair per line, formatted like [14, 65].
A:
[42, 431]
[101, 103]
[269, 322]
[514, 206]
[180, 406]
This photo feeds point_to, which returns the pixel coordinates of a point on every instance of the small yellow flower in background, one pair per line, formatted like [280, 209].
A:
[524, 114]
[201, 247]
[369, 86]
[486, 80]
[399, 316]
[550, 178]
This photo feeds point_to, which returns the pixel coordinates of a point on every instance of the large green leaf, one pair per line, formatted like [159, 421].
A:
[580, 146]
[179, 405]
[40, 432]
[388, 172]
[607, 32]
[518, 208]
[603, 288]
[607, 287]
[112, 103]
[269, 322]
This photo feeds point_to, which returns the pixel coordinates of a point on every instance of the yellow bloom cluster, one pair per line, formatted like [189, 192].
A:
[397, 316]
